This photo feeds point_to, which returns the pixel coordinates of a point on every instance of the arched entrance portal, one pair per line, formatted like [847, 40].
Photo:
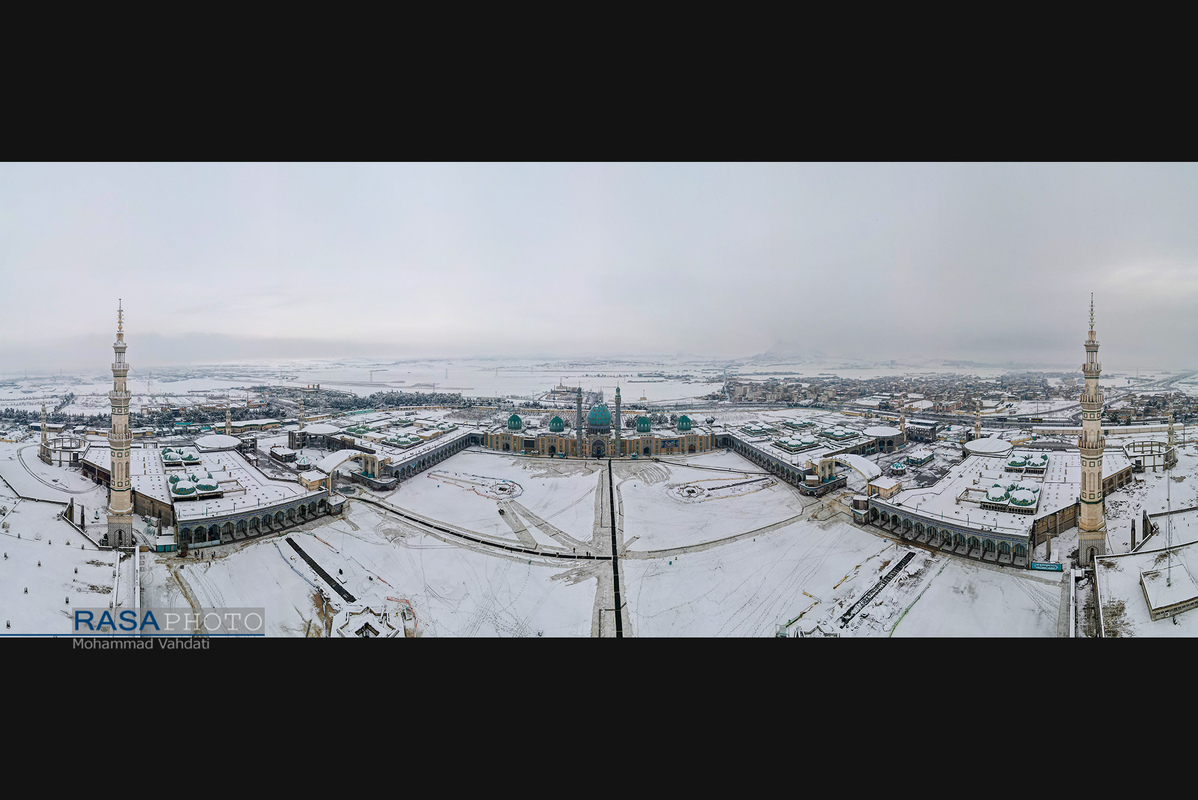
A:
[598, 450]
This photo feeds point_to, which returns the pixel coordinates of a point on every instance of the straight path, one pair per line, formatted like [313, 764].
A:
[615, 560]
[517, 525]
[552, 530]
[877, 587]
[337, 587]
[424, 524]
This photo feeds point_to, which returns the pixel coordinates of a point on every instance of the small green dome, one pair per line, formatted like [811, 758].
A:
[642, 424]
[557, 425]
[513, 423]
[684, 423]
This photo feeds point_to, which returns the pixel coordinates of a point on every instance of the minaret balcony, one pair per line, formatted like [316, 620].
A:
[116, 396]
[116, 439]
[120, 367]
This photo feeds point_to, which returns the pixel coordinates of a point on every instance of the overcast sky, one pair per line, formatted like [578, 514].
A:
[216, 262]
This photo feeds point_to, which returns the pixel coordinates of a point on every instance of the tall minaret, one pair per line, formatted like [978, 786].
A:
[228, 420]
[120, 494]
[618, 453]
[977, 420]
[43, 451]
[578, 423]
[1092, 525]
[301, 412]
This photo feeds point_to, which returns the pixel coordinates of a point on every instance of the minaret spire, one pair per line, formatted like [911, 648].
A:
[120, 494]
[618, 425]
[1092, 521]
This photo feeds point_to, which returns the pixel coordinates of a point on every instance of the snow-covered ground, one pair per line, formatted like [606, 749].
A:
[731, 496]
[1041, 407]
[24, 472]
[966, 598]
[748, 587]
[561, 492]
[260, 574]
[33, 597]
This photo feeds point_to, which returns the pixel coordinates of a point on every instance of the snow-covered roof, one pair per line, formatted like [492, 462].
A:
[988, 447]
[863, 465]
[881, 431]
[217, 441]
[332, 460]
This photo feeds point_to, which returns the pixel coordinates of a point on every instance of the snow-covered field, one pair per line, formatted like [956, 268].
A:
[33, 597]
[658, 515]
[24, 472]
[255, 575]
[559, 492]
[971, 599]
[747, 587]
[1041, 407]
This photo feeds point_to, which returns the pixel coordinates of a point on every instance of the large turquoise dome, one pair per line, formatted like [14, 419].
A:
[684, 423]
[556, 425]
[599, 416]
[513, 423]
[642, 424]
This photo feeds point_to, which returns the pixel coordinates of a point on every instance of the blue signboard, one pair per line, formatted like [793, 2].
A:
[1048, 566]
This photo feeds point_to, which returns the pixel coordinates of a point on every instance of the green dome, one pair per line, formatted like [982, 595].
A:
[599, 416]
[557, 425]
[684, 423]
[642, 424]
[513, 423]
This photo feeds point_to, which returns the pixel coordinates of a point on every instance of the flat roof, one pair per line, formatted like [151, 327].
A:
[1165, 587]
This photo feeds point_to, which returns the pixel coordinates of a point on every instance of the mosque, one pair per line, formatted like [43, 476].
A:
[602, 435]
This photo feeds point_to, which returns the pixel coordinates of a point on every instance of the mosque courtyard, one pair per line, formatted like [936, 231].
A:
[706, 545]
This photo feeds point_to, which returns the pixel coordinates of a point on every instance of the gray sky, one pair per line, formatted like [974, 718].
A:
[216, 262]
